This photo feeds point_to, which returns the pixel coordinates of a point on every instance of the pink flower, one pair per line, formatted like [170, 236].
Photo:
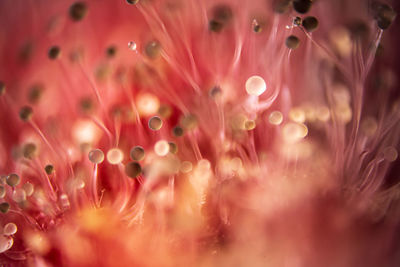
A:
[198, 133]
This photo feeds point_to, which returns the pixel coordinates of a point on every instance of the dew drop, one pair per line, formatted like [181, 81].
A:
[132, 46]
[256, 26]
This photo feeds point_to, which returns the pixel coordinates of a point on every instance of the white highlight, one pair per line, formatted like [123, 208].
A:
[161, 148]
[255, 85]
[115, 156]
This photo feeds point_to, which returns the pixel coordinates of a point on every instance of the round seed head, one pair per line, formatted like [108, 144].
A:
[115, 156]
[54, 52]
[25, 113]
[302, 6]
[86, 105]
[30, 151]
[96, 156]
[294, 132]
[6, 242]
[282, 6]
[2, 191]
[275, 117]
[255, 85]
[49, 169]
[26, 51]
[220, 17]
[177, 131]
[359, 30]
[137, 153]
[186, 167]
[2, 88]
[297, 114]
[250, 125]
[78, 11]
[35, 93]
[390, 154]
[161, 148]
[28, 188]
[152, 49]
[133, 169]
[215, 26]
[173, 148]
[4, 207]
[165, 111]
[13, 179]
[222, 13]
[102, 72]
[189, 122]
[155, 123]
[111, 51]
[384, 15]
[9, 229]
[292, 42]
[310, 24]
[19, 195]
[215, 92]
[147, 104]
